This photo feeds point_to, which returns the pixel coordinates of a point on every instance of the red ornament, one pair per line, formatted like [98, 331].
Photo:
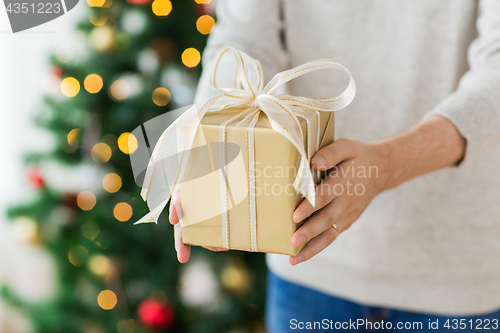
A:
[35, 178]
[139, 2]
[156, 314]
[57, 71]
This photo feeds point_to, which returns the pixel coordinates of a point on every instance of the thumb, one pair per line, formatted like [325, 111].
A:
[333, 154]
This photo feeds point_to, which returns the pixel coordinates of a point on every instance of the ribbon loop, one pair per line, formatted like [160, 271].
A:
[169, 158]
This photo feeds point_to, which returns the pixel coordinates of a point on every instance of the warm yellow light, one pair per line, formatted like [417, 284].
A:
[99, 264]
[96, 3]
[107, 299]
[73, 137]
[90, 230]
[126, 326]
[112, 182]
[101, 153]
[120, 89]
[26, 229]
[191, 57]
[98, 20]
[127, 143]
[78, 255]
[86, 200]
[102, 38]
[161, 96]
[201, 2]
[161, 7]
[205, 24]
[122, 212]
[93, 83]
[70, 87]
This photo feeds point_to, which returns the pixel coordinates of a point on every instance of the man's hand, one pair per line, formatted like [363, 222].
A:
[183, 250]
[359, 171]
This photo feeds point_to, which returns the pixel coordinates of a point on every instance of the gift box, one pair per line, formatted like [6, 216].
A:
[240, 164]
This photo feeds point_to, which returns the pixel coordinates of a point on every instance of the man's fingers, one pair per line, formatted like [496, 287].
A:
[175, 207]
[320, 222]
[183, 251]
[325, 193]
[331, 155]
[315, 246]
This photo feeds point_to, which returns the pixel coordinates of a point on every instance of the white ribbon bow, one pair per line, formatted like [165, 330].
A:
[169, 158]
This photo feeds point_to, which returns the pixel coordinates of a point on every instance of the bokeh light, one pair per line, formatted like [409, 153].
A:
[99, 264]
[98, 20]
[161, 96]
[202, 2]
[127, 143]
[86, 200]
[102, 38]
[74, 137]
[161, 7]
[96, 3]
[120, 89]
[122, 211]
[70, 87]
[93, 83]
[78, 255]
[126, 326]
[101, 152]
[90, 230]
[191, 57]
[107, 299]
[112, 182]
[205, 24]
[26, 229]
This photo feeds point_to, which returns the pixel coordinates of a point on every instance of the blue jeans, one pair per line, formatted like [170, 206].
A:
[294, 308]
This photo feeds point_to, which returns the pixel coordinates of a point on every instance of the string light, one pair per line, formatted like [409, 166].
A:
[122, 212]
[112, 182]
[73, 137]
[126, 326]
[161, 96]
[120, 89]
[203, 2]
[191, 57]
[205, 24]
[102, 38]
[99, 264]
[93, 83]
[86, 200]
[127, 143]
[101, 152]
[161, 7]
[70, 87]
[96, 3]
[26, 229]
[98, 20]
[78, 255]
[90, 230]
[107, 299]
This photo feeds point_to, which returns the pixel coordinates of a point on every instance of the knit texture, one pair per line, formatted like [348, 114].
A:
[433, 243]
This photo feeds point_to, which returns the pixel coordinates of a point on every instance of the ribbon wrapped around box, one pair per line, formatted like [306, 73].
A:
[239, 165]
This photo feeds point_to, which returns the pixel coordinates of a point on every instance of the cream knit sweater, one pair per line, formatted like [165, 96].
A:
[433, 243]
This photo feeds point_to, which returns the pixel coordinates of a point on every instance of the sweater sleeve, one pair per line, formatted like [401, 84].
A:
[253, 27]
[474, 108]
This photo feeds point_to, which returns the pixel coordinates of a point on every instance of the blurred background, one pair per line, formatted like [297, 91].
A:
[71, 91]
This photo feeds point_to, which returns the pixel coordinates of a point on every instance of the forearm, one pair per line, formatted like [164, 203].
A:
[430, 145]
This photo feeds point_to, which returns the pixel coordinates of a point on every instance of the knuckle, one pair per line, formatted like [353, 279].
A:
[331, 235]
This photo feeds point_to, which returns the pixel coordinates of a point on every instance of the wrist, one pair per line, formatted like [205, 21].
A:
[387, 165]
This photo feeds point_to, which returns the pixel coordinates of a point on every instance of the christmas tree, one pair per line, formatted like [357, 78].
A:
[129, 62]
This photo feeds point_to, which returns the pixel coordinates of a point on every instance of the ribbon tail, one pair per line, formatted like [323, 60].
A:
[153, 215]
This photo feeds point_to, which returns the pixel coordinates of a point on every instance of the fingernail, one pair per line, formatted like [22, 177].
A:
[302, 240]
[319, 161]
[298, 259]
